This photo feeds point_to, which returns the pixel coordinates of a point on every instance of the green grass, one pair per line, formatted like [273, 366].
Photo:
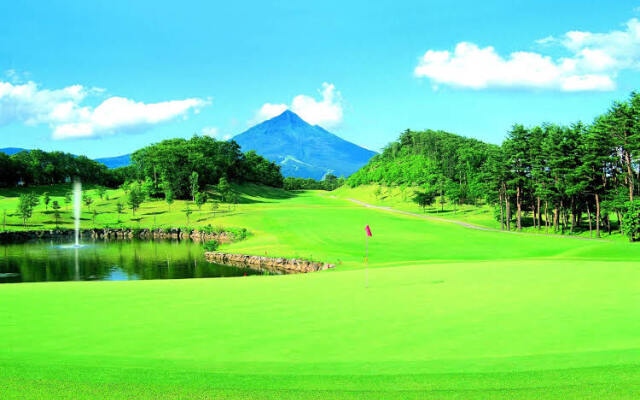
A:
[450, 312]
[481, 215]
[152, 213]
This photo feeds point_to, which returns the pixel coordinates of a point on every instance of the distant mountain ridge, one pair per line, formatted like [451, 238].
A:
[115, 162]
[303, 150]
[12, 150]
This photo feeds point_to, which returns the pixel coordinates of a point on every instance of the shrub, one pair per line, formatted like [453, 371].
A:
[631, 220]
[211, 245]
[208, 229]
[238, 233]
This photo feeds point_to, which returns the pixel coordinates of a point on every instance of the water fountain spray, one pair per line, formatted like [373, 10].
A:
[77, 198]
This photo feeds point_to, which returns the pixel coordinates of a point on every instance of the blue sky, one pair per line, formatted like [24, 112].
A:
[104, 78]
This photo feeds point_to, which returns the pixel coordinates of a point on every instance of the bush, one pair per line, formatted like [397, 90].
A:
[208, 229]
[238, 233]
[211, 245]
[631, 220]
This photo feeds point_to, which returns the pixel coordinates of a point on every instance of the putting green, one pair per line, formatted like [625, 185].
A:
[450, 312]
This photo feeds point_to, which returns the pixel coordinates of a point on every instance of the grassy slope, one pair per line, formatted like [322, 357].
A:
[450, 313]
[481, 215]
[152, 213]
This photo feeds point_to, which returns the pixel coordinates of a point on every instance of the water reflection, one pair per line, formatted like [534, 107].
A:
[41, 261]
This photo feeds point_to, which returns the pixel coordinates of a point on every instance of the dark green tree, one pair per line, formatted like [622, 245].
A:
[56, 211]
[135, 197]
[424, 199]
[46, 199]
[200, 199]
[224, 189]
[26, 203]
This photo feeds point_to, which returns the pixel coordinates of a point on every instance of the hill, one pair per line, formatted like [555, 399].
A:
[303, 150]
[12, 150]
[441, 162]
[115, 162]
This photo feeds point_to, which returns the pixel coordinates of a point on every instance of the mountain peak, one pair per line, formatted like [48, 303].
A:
[290, 116]
[303, 150]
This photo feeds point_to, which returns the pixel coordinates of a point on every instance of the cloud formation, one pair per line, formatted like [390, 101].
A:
[211, 131]
[214, 132]
[326, 112]
[593, 62]
[63, 111]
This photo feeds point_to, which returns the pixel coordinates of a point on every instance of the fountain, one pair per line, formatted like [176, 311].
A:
[77, 198]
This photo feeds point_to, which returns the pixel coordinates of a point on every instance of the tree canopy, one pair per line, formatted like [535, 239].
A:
[549, 175]
[182, 166]
[37, 167]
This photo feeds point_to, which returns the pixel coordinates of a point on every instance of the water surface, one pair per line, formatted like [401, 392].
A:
[43, 261]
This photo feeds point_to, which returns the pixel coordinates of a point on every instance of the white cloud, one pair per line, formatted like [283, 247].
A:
[63, 111]
[546, 40]
[593, 62]
[214, 132]
[210, 131]
[28, 104]
[268, 111]
[326, 112]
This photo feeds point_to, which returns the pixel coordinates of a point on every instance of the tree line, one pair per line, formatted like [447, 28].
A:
[168, 163]
[329, 182]
[175, 166]
[37, 167]
[564, 174]
[550, 177]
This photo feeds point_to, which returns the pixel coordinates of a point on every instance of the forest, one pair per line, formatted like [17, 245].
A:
[166, 166]
[172, 165]
[37, 167]
[550, 177]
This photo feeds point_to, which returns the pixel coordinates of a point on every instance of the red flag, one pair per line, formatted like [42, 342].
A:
[368, 231]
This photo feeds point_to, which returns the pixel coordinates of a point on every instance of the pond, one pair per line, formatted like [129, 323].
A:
[116, 260]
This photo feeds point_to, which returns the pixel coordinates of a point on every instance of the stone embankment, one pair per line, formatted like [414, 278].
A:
[277, 265]
[145, 234]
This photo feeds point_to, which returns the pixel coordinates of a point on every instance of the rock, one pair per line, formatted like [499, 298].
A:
[279, 265]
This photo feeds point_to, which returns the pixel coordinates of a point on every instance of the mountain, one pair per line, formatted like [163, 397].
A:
[11, 150]
[115, 162]
[303, 150]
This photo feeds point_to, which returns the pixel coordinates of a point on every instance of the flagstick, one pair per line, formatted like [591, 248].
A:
[366, 266]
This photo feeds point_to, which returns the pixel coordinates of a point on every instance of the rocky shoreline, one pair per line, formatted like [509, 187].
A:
[271, 264]
[127, 233]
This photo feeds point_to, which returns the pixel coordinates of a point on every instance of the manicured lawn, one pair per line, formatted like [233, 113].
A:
[480, 214]
[449, 313]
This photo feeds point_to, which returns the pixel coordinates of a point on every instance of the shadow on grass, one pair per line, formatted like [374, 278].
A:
[245, 193]
[57, 190]
[155, 213]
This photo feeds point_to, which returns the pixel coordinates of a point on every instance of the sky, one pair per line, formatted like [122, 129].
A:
[104, 78]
